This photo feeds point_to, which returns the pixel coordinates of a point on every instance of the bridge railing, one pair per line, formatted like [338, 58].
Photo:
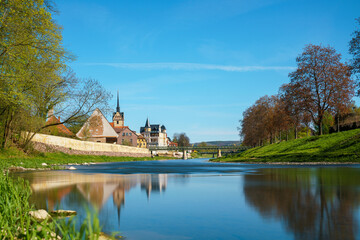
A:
[173, 148]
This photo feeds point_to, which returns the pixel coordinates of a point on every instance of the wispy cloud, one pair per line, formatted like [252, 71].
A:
[192, 66]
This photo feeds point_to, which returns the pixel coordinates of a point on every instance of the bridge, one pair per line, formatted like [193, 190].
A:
[218, 150]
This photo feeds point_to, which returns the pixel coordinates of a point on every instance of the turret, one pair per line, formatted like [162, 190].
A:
[147, 126]
[163, 129]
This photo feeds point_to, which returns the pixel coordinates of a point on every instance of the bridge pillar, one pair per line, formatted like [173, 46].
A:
[219, 153]
[184, 155]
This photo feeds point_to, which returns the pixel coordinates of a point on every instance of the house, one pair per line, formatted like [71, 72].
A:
[126, 136]
[97, 129]
[154, 134]
[141, 141]
[58, 129]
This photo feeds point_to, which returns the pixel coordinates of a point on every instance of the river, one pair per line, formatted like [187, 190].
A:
[197, 199]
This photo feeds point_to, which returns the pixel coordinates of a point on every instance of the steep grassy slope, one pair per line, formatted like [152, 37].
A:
[336, 147]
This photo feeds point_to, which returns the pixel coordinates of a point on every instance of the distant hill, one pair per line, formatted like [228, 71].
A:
[220, 143]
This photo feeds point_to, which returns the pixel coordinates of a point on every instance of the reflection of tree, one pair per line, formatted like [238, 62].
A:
[313, 203]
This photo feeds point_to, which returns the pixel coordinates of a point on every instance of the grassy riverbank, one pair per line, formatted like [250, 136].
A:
[336, 147]
[15, 157]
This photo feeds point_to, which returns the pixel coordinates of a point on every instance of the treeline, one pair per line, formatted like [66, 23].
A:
[34, 75]
[320, 92]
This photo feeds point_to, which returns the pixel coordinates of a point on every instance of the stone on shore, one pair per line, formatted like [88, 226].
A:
[40, 215]
[43, 164]
[16, 169]
[63, 213]
[72, 168]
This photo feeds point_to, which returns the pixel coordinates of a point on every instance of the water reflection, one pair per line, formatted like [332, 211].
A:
[259, 203]
[313, 203]
[54, 189]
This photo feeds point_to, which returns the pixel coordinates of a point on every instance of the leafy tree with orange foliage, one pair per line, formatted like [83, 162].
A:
[354, 49]
[322, 83]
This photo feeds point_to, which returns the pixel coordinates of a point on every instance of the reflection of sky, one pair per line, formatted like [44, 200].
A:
[192, 207]
[270, 203]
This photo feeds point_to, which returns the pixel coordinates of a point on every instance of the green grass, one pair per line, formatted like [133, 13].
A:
[336, 147]
[15, 157]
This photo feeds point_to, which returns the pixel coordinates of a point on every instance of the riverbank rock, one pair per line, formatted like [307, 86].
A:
[72, 168]
[16, 169]
[63, 213]
[40, 215]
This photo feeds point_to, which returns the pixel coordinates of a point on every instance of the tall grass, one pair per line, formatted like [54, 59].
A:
[16, 223]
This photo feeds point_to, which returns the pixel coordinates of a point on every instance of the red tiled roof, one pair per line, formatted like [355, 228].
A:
[61, 127]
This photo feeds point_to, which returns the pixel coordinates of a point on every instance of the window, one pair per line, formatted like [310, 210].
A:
[130, 140]
[123, 134]
[117, 122]
[127, 134]
[130, 134]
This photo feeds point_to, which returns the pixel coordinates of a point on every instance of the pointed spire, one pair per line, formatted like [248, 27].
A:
[118, 105]
[147, 124]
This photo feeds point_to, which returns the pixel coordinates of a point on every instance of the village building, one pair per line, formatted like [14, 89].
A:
[58, 129]
[126, 136]
[118, 116]
[97, 129]
[141, 141]
[154, 134]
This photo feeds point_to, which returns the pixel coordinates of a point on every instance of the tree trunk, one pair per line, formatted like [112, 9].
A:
[296, 133]
[7, 125]
[287, 135]
[338, 123]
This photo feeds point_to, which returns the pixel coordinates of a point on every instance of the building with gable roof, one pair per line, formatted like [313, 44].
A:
[56, 127]
[97, 129]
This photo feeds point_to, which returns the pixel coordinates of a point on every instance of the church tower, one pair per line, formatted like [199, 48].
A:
[118, 117]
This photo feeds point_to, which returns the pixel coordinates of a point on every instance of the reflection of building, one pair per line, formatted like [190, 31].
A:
[154, 134]
[50, 189]
[119, 200]
[97, 193]
[153, 183]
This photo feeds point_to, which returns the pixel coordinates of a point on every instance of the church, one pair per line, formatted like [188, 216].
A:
[98, 129]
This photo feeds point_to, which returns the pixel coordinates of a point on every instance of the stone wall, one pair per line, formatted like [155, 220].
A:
[74, 146]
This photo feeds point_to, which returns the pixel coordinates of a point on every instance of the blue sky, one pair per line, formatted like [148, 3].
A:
[196, 65]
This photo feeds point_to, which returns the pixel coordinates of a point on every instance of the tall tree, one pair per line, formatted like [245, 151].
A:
[354, 49]
[182, 139]
[294, 113]
[34, 77]
[321, 81]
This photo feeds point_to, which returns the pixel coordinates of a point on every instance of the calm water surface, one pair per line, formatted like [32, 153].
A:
[195, 199]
